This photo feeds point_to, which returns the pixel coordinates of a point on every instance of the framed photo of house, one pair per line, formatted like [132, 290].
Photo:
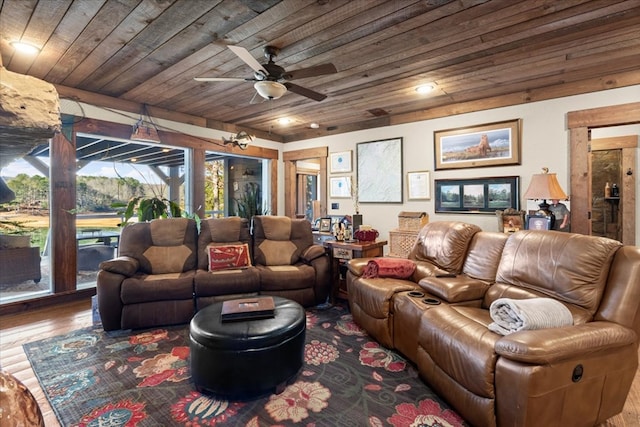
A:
[340, 187]
[510, 220]
[340, 162]
[379, 171]
[538, 222]
[419, 185]
[325, 225]
[492, 144]
[481, 195]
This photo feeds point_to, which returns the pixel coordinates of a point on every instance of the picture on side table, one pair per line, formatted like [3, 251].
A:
[538, 222]
[491, 144]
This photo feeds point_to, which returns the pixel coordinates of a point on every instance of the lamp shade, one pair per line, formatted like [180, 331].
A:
[544, 186]
[270, 90]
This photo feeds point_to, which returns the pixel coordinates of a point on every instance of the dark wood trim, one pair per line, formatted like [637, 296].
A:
[46, 301]
[104, 101]
[62, 200]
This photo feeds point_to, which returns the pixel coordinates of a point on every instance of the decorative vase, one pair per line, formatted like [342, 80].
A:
[356, 221]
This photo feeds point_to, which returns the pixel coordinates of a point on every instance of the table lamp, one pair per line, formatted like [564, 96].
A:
[545, 186]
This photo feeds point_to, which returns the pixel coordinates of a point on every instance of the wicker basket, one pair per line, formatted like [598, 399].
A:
[413, 221]
[401, 242]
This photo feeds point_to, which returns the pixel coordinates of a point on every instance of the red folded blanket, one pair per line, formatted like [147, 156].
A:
[397, 268]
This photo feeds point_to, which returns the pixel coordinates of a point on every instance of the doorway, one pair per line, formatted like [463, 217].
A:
[293, 202]
[580, 124]
[612, 208]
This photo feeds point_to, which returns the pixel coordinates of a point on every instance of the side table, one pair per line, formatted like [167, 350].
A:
[340, 252]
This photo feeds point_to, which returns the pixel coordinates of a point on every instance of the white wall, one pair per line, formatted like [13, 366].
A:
[545, 143]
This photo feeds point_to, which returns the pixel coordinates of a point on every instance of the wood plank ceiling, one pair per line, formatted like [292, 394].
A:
[477, 54]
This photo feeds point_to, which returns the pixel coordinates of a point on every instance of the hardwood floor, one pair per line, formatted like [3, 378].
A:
[18, 329]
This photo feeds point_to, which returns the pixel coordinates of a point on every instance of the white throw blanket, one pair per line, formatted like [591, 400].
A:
[512, 315]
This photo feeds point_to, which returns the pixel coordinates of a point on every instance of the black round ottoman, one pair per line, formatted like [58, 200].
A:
[244, 359]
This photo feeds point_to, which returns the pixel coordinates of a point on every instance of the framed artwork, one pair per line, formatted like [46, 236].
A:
[510, 220]
[340, 162]
[538, 222]
[482, 195]
[419, 185]
[340, 187]
[325, 225]
[379, 171]
[493, 144]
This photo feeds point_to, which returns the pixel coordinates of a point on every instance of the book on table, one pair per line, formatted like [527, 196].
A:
[248, 308]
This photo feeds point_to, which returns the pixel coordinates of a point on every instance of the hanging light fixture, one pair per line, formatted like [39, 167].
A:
[145, 130]
[269, 89]
[241, 139]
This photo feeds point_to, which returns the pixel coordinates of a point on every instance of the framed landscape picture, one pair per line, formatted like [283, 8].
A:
[492, 144]
[482, 195]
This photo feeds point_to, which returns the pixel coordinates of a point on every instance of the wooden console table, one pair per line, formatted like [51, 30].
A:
[341, 252]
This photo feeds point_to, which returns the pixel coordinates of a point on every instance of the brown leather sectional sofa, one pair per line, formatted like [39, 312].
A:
[576, 375]
[162, 277]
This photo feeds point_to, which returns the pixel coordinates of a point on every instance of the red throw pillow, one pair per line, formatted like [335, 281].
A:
[228, 257]
[397, 268]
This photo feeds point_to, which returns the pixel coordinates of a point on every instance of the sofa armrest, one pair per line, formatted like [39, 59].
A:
[124, 265]
[544, 346]
[455, 288]
[108, 289]
[357, 265]
[313, 252]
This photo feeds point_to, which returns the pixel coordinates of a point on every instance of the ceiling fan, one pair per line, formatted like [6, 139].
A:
[271, 80]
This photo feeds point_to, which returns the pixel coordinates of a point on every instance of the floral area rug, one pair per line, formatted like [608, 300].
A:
[141, 378]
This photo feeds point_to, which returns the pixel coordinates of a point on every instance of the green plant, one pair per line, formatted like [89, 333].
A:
[148, 208]
[248, 204]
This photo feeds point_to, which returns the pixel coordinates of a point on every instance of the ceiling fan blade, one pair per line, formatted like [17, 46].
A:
[222, 79]
[305, 92]
[244, 54]
[317, 70]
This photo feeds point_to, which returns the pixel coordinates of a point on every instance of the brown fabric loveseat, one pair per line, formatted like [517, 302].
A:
[161, 276]
[576, 375]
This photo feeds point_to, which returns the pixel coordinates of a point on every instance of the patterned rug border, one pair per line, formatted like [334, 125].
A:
[344, 370]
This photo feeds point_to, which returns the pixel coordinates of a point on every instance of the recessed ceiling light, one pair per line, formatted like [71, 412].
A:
[25, 48]
[424, 88]
[284, 120]
[314, 125]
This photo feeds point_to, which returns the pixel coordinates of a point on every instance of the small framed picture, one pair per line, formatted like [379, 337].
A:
[340, 187]
[340, 162]
[538, 222]
[419, 185]
[325, 224]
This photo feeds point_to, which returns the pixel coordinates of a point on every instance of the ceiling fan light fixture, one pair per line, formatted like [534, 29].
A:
[269, 89]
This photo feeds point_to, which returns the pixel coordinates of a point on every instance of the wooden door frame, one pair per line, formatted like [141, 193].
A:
[290, 158]
[579, 123]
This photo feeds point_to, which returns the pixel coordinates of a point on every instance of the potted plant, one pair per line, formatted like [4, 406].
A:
[147, 209]
[248, 204]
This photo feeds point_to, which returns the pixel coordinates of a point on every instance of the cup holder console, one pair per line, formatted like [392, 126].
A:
[428, 300]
